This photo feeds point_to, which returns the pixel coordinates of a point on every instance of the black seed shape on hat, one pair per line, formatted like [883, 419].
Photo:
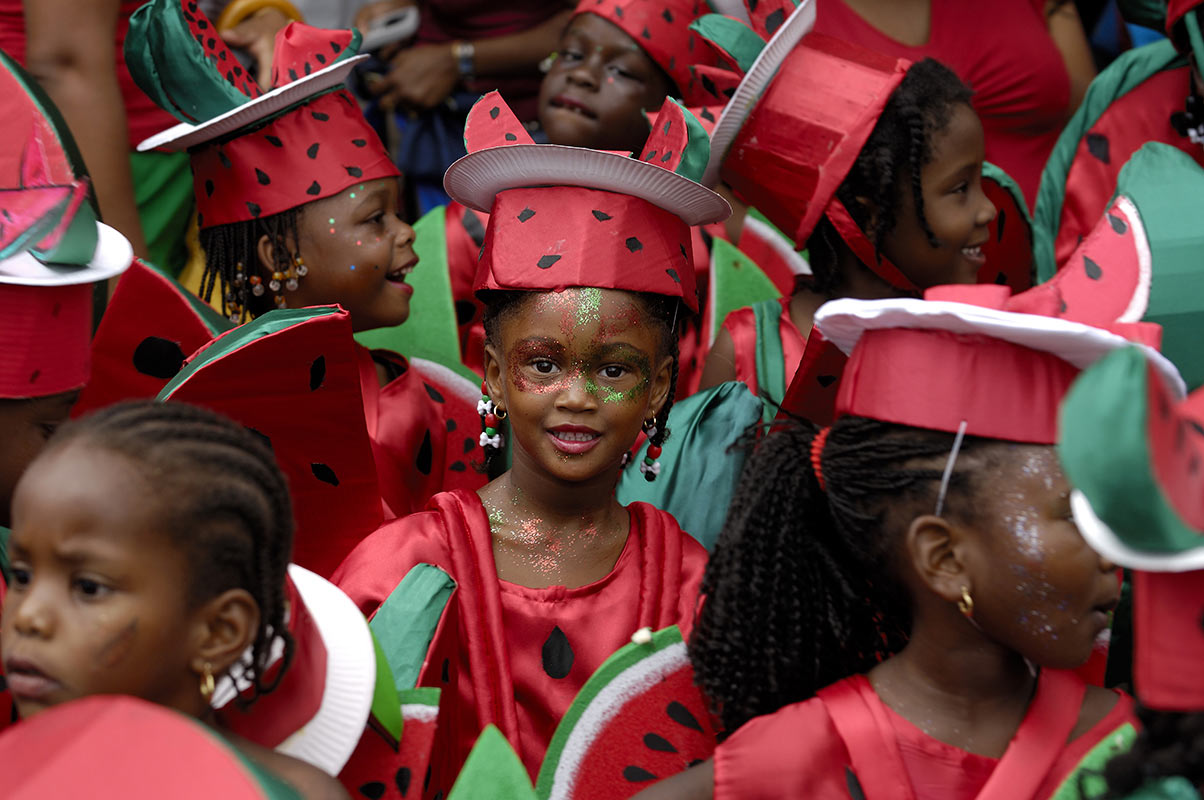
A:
[320, 116]
[547, 261]
[557, 654]
[426, 455]
[237, 71]
[1097, 145]
[202, 23]
[263, 439]
[1094, 272]
[314, 188]
[651, 155]
[308, 69]
[647, 34]
[274, 141]
[684, 254]
[451, 425]
[668, 125]
[853, 785]
[373, 790]
[1001, 220]
[619, 12]
[752, 5]
[774, 20]
[189, 17]
[317, 373]
[212, 43]
[158, 357]
[1062, 308]
[458, 466]
[208, 188]
[668, 155]
[324, 473]
[33, 378]
[292, 73]
[525, 215]
[826, 380]
[709, 86]
[470, 445]
[253, 208]
[633, 774]
[312, 150]
[668, 15]
[359, 142]
[403, 778]
[1117, 224]
[728, 93]
[262, 177]
[224, 159]
[493, 112]
[672, 273]
[707, 115]
[229, 76]
[634, 244]
[510, 137]
[433, 392]
[658, 743]
[222, 55]
[601, 216]
[321, 59]
[1001, 279]
[335, 47]
[354, 172]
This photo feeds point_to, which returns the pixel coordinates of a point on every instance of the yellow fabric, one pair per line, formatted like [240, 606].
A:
[238, 10]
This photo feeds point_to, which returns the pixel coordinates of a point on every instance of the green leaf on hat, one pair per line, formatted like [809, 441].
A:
[678, 141]
[406, 622]
[492, 770]
[735, 40]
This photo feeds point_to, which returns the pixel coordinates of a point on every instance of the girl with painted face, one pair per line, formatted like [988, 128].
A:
[920, 587]
[298, 205]
[583, 277]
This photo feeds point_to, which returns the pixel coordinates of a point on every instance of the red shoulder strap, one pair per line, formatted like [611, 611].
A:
[860, 719]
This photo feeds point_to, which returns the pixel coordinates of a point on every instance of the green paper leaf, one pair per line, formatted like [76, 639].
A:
[493, 770]
[406, 622]
[736, 40]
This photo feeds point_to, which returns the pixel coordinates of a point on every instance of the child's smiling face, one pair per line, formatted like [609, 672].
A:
[578, 371]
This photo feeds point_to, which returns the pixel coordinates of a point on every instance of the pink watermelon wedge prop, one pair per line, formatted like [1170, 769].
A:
[383, 766]
[639, 719]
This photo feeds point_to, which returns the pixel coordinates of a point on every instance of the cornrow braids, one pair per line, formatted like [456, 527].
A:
[227, 505]
[801, 590]
[232, 257]
[901, 142]
[1169, 744]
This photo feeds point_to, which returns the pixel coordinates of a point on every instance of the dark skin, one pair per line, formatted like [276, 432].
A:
[578, 372]
[599, 87]
[1040, 595]
[99, 602]
[27, 425]
[957, 210]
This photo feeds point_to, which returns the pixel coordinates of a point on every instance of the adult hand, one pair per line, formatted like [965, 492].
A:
[257, 35]
[421, 77]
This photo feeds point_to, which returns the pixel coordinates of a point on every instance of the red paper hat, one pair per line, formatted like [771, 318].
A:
[662, 29]
[967, 354]
[277, 375]
[1139, 501]
[112, 747]
[254, 154]
[570, 216]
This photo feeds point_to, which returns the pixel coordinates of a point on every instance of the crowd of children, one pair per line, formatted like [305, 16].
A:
[735, 432]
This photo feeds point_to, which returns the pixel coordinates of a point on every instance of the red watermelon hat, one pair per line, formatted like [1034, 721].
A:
[571, 216]
[52, 248]
[113, 747]
[968, 354]
[1132, 448]
[254, 154]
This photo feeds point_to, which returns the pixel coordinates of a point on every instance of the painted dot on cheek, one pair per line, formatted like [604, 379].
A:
[353, 195]
[332, 230]
[353, 266]
[330, 221]
[358, 243]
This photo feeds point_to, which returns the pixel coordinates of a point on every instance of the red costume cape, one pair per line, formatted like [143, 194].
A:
[845, 739]
[521, 654]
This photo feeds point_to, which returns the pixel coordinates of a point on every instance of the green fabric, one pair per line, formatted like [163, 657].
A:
[1166, 185]
[1086, 781]
[771, 357]
[736, 39]
[163, 194]
[386, 704]
[5, 562]
[493, 770]
[1176, 788]
[736, 282]
[1122, 76]
[697, 152]
[998, 175]
[430, 332]
[272, 322]
[1104, 448]
[405, 623]
[274, 788]
[1146, 13]
[701, 458]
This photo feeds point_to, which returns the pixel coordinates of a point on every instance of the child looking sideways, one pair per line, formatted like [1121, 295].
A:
[922, 587]
[583, 277]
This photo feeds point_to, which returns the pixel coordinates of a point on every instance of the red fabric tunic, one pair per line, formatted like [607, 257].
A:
[798, 751]
[1003, 50]
[524, 653]
[741, 326]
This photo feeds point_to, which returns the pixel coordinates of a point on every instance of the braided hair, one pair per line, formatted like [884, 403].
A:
[232, 257]
[899, 146]
[229, 507]
[1170, 743]
[801, 590]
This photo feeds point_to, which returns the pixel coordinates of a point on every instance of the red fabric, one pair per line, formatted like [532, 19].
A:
[741, 326]
[863, 248]
[503, 627]
[1003, 50]
[1167, 643]
[798, 751]
[416, 454]
[46, 335]
[143, 117]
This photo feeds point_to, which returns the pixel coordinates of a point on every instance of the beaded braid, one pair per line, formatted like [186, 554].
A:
[801, 590]
[225, 501]
[232, 261]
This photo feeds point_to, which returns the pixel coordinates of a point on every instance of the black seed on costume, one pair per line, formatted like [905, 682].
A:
[493, 112]
[601, 216]
[445, 676]
[1196, 427]
[728, 93]
[208, 188]
[682, 716]
[651, 155]
[359, 142]
[472, 224]
[684, 254]
[1002, 220]
[668, 155]
[274, 141]
[1097, 145]
[1117, 224]
[314, 188]
[668, 125]
[263, 439]
[451, 425]
[1001, 279]
[262, 177]
[469, 445]
[426, 455]
[202, 24]
[709, 86]
[637, 775]
[33, 377]
[668, 15]
[557, 654]
[312, 150]
[158, 357]
[510, 137]
[1094, 272]
[321, 59]
[320, 116]
[212, 43]
[308, 68]
[1062, 308]
[634, 244]
[647, 34]
[619, 12]
[658, 743]
[317, 373]
[222, 55]
[292, 73]
[430, 390]
[253, 208]
[403, 779]
[854, 785]
[525, 215]
[224, 159]
[752, 5]
[354, 172]
[826, 380]
[373, 790]
[547, 261]
[458, 466]
[324, 474]
[672, 273]
[335, 48]
[707, 115]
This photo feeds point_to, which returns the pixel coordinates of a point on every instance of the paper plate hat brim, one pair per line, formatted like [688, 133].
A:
[1104, 541]
[759, 76]
[111, 257]
[186, 135]
[477, 178]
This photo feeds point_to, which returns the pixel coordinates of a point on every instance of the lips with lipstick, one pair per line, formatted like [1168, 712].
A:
[28, 681]
[574, 439]
[572, 105]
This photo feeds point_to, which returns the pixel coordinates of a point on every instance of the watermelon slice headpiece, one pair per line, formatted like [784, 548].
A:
[52, 248]
[1133, 451]
[254, 154]
[570, 216]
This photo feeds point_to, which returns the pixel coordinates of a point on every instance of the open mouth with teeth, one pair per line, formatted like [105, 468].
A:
[974, 254]
[573, 436]
[399, 275]
[569, 104]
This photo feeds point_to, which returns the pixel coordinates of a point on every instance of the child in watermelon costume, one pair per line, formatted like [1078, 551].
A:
[297, 204]
[933, 510]
[583, 277]
[1137, 501]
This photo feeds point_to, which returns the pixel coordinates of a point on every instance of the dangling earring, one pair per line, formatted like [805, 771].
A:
[207, 682]
[491, 420]
[236, 294]
[651, 466]
[966, 604]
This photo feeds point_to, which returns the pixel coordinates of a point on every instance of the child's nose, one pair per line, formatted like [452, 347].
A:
[986, 211]
[33, 615]
[576, 395]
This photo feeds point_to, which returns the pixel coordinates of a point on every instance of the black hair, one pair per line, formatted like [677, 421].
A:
[802, 588]
[665, 310]
[900, 145]
[226, 501]
[232, 257]
[1170, 743]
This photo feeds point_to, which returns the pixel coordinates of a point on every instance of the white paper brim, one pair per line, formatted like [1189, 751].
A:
[843, 321]
[476, 178]
[1104, 541]
[186, 134]
[762, 71]
[111, 257]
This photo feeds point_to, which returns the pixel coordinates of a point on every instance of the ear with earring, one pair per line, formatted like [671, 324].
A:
[966, 604]
[652, 465]
[208, 684]
[491, 420]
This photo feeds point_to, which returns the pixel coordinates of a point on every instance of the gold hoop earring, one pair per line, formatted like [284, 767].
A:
[966, 604]
[208, 684]
[501, 413]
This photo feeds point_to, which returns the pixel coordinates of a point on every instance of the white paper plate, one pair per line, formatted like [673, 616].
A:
[1104, 541]
[112, 256]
